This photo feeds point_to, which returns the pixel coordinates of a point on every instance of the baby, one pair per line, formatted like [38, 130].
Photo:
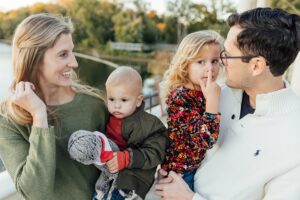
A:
[141, 137]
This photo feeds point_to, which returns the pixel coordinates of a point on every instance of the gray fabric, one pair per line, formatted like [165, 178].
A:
[85, 147]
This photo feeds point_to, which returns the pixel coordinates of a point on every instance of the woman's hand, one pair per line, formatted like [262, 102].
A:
[173, 187]
[25, 97]
[211, 91]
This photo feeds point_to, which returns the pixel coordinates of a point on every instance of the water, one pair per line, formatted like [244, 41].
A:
[5, 69]
[5, 75]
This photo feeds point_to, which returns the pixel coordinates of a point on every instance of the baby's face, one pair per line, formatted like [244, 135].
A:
[122, 100]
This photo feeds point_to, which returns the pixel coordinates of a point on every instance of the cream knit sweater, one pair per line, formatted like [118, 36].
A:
[257, 157]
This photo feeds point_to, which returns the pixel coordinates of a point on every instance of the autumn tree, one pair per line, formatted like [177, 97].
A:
[93, 22]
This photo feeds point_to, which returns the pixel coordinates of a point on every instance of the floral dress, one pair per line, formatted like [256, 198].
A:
[191, 130]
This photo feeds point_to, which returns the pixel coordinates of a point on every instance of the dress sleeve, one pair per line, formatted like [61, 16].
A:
[186, 118]
[31, 164]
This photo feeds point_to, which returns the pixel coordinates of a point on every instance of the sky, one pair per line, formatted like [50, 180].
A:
[6, 5]
[158, 5]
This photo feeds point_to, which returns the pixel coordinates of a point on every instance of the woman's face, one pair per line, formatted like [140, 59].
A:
[58, 63]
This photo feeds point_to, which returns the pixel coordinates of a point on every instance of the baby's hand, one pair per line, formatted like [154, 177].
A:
[120, 161]
[113, 164]
[211, 91]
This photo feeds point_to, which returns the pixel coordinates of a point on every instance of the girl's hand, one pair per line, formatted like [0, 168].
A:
[25, 97]
[211, 91]
[113, 164]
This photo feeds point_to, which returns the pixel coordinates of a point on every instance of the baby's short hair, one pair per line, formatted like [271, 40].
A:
[125, 76]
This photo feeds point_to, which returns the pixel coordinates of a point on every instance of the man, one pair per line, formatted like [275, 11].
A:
[257, 156]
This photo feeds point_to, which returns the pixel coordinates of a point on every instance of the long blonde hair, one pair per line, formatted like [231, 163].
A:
[176, 76]
[33, 36]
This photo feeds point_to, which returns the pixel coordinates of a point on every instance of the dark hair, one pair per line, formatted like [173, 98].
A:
[271, 33]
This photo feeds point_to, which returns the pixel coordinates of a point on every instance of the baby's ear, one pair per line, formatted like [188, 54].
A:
[140, 100]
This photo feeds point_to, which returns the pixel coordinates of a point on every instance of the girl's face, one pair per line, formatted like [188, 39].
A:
[57, 64]
[207, 58]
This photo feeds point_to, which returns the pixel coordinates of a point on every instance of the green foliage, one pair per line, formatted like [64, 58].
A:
[128, 27]
[209, 21]
[150, 31]
[97, 22]
[169, 34]
[1, 30]
[292, 6]
[11, 19]
[93, 22]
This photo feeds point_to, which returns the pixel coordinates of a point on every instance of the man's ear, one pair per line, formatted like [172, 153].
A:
[140, 100]
[259, 66]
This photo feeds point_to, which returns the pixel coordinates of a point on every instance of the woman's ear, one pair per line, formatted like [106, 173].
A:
[140, 100]
[259, 66]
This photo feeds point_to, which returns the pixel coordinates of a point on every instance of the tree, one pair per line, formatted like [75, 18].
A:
[10, 21]
[12, 18]
[292, 6]
[1, 21]
[169, 34]
[128, 27]
[185, 14]
[150, 32]
[93, 22]
[212, 16]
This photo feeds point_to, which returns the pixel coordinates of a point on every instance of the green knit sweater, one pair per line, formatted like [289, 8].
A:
[37, 159]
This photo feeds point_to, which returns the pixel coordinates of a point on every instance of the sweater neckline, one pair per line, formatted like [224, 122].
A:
[273, 103]
[276, 103]
[67, 104]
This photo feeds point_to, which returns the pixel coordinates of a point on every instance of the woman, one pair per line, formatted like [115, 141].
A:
[46, 105]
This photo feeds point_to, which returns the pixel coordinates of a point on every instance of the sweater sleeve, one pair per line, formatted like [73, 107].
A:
[31, 164]
[198, 197]
[286, 186]
[185, 117]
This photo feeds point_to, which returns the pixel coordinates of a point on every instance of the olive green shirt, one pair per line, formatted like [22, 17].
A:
[37, 159]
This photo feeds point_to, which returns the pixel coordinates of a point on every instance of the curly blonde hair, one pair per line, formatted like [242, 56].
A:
[33, 37]
[187, 51]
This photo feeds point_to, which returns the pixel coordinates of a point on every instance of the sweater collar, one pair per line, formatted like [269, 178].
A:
[272, 103]
[276, 103]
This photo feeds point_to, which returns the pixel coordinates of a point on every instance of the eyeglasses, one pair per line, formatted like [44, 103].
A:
[224, 58]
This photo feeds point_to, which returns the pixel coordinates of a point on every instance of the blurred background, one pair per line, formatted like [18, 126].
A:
[142, 34]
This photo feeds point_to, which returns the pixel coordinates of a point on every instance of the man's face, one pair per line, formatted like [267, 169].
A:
[238, 74]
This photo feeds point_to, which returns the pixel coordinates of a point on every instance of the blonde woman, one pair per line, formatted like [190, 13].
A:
[192, 102]
[47, 104]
